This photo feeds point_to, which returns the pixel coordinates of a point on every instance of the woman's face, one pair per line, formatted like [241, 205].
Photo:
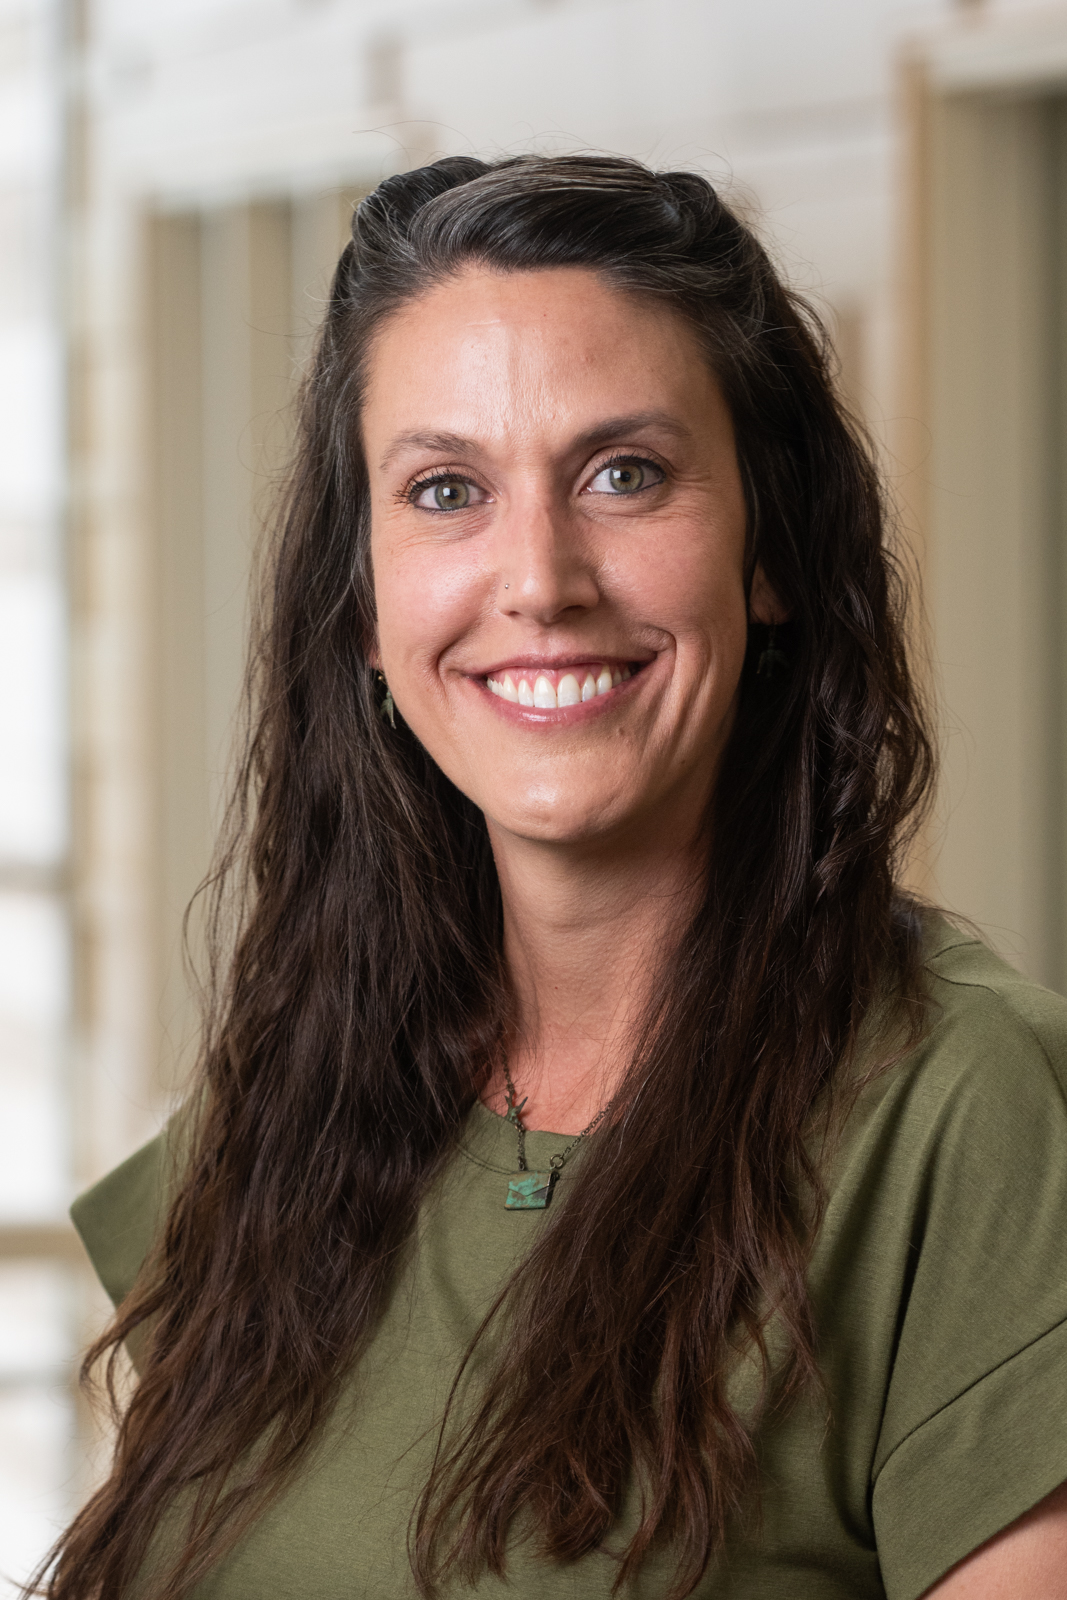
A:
[557, 537]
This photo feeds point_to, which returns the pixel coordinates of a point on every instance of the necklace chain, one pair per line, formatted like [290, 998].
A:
[514, 1116]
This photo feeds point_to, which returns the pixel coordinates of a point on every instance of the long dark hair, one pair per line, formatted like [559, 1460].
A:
[364, 998]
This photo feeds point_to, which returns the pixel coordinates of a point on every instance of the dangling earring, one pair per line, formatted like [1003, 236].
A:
[772, 661]
[388, 706]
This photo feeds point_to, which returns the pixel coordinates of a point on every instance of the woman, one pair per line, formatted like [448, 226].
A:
[602, 1178]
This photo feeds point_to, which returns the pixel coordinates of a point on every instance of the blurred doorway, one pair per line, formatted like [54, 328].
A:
[992, 225]
[235, 294]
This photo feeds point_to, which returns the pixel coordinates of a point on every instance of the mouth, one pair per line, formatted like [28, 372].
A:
[544, 688]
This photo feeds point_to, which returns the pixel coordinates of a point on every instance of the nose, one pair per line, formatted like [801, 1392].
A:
[543, 567]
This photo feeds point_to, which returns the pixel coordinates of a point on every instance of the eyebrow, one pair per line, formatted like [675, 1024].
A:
[442, 444]
[455, 445]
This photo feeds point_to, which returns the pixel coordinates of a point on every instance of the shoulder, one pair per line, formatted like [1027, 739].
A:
[981, 1099]
[951, 1169]
[984, 1088]
[993, 1041]
[119, 1217]
[978, 1001]
[988, 1082]
[951, 1164]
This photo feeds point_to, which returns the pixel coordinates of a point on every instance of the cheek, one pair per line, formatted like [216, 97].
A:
[711, 586]
[690, 586]
[426, 596]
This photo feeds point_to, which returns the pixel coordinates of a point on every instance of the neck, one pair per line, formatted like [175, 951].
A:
[585, 932]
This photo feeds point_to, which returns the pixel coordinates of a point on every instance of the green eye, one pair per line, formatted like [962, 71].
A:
[452, 495]
[626, 479]
[446, 493]
[621, 477]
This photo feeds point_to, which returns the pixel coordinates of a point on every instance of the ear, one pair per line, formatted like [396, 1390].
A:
[763, 603]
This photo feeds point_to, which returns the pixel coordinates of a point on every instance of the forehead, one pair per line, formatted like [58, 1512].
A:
[494, 349]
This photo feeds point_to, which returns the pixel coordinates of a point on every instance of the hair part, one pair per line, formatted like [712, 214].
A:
[366, 986]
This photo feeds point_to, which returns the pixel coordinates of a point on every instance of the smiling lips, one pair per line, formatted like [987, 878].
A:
[550, 689]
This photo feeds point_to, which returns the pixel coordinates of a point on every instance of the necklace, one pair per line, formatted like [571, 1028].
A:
[531, 1191]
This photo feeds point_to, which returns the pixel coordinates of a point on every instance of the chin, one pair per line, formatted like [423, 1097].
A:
[562, 823]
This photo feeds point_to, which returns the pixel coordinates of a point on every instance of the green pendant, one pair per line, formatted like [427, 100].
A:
[530, 1191]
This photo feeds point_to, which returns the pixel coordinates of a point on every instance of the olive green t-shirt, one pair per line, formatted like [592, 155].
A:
[939, 1282]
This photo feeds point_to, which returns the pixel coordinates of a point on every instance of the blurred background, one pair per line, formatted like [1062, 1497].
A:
[176, 181]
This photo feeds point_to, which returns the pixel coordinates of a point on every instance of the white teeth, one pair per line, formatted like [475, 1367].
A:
[569, 692]
[544, 695]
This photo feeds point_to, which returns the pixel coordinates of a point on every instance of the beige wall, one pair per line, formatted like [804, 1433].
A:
[989, 308]
[990, 575]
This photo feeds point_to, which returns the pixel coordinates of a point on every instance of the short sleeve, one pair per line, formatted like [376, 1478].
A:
[974, 1430]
